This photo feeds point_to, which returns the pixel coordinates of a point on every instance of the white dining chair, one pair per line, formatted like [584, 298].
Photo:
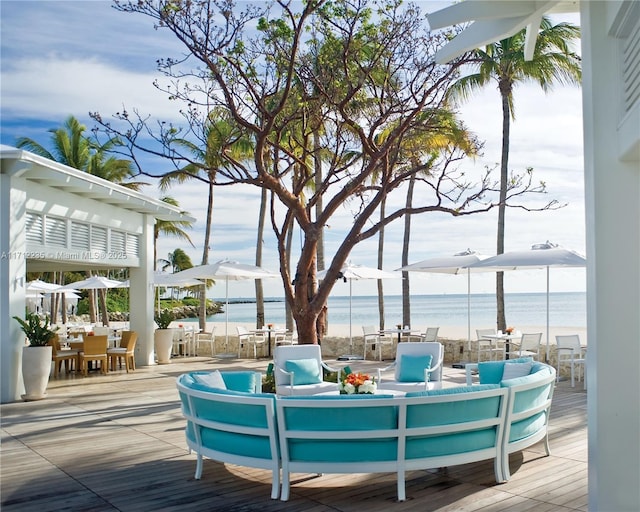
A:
[529, 346]
[571, 353]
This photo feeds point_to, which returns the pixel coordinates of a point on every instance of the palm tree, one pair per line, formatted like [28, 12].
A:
[442, 134]
[222, 141]
[71, 147]
[175, 228]
[504, 62]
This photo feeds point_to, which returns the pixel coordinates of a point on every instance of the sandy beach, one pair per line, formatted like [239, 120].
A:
[446, 332]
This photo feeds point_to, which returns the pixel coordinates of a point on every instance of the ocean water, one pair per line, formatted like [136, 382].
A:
[566, 309]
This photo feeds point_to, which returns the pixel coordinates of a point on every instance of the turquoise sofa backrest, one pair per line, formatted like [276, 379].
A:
[325, 429]
[229, 421]
[458, 420]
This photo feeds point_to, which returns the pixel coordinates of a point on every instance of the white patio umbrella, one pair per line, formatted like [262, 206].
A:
[168, 280]
[229, 271]
[93, 283]
[545, 255]
[351, 272]
[459, 263]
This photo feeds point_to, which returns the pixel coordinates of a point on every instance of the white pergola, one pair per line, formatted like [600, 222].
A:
[611, 119]
[55, 218]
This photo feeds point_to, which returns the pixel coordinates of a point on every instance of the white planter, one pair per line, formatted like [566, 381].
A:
[36, 367]
[163, 340]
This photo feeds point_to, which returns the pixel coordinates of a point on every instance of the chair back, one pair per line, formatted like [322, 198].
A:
[178, 333]
[369, 330]
[284, 353]
[54, 342]
[95, 346]
[431, 334]
[531, 342]
[131, 341]
[242, 330]
[432, 348]
[569, 342]
[124, 338]
[481, 333]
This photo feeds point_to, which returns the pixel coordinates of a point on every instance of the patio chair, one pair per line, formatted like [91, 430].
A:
[180, 341]
[249, 339]
[431, 334]
[299, 369]
[571, 353]
[125, 351]
[374, 340]
[487, 345]
[94, 349]
[206, 337]
[58, 356]
[418, 367]
[529, 346]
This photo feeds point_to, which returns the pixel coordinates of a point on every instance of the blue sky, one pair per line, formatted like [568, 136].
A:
[62, 58]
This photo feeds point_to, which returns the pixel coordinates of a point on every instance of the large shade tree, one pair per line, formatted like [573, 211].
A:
[376, 70]
[503, 63]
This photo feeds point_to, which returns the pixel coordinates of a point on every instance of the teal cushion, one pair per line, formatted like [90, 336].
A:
[412, 367]
[490, 372]
[452, 391]
[305, 371]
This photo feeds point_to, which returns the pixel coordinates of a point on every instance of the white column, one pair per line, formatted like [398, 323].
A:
[12, 289]
[612, 194]
[141, 296]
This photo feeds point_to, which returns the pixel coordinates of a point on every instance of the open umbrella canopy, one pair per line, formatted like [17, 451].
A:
[547, 255]
[539, 256]
[92, 283]
[169, 280]
[229, 271]
[459, 263]
[41, 286]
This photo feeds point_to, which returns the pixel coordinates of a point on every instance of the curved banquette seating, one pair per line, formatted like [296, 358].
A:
[230, 420]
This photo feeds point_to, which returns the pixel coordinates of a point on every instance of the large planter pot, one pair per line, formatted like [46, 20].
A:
[163, 340]
[36, 366]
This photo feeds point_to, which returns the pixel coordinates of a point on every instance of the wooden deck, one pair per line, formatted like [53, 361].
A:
[116, 442]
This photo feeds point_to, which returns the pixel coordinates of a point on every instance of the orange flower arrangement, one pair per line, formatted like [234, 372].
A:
[359, 383]
[509, 330]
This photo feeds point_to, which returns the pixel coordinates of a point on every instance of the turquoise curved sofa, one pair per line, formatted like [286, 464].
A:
[366, 433]
[530, 385]
[235, 425]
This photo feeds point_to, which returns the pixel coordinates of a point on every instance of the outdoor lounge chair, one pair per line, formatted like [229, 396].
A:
[418, 367]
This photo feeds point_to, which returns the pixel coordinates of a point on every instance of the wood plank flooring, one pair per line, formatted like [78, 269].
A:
[116, 442]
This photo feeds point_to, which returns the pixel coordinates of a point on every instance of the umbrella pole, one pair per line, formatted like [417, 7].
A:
[226, 315]
[350, 322]
[547, 357]
[469, 310]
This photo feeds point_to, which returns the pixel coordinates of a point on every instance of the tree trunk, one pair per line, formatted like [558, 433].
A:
[287, 306]
[92, 304]
[380, 263]
[202, 289]
[102, 299]
[406, 292]
[501, 322]
[259, 243]
[317, 162]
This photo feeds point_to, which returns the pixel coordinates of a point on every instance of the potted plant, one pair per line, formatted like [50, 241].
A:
[163, 337]
[36, 357]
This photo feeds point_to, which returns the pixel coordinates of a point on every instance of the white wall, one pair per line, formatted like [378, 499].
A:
[612, 189]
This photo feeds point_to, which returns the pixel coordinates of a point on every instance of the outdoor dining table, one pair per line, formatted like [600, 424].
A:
[269, 330]
[506, 338]
[399, 332]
